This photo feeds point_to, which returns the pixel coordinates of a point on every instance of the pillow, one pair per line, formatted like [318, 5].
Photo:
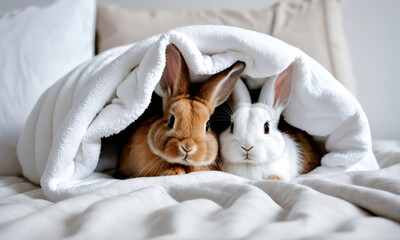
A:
[37, 47]
[305, 24]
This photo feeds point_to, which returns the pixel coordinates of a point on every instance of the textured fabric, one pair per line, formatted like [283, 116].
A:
[314, 26]
[101, 98]
[213, 205]
[37, 47]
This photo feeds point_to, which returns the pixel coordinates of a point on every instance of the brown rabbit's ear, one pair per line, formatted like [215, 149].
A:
[218, 88]
[175, 79]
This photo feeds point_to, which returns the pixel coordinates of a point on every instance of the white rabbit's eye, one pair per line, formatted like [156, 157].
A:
[266, 128]
[207, 125]
[232, 126]
[171, 121]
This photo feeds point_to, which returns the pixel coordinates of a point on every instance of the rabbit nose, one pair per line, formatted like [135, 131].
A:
[186, 150]
[247, 149]
[187, 146]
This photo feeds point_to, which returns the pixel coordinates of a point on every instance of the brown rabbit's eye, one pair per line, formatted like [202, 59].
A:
[171, 121]
[266, 128]
[207, 125]
[232, 126]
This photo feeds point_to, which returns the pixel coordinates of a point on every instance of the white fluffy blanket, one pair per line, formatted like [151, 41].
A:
[61, 142]
[350, 205]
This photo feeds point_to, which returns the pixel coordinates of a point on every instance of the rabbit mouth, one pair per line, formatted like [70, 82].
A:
[189, 160]
[186, 158]
[247, 158]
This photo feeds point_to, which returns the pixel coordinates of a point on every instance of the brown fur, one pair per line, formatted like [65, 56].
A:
[137, 159]
[155, 149]
[310, 155]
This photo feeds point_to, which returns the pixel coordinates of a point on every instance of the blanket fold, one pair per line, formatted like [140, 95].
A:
[60, 145]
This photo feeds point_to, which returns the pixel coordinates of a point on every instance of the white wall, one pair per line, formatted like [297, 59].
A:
[372, 29]
[10, 5]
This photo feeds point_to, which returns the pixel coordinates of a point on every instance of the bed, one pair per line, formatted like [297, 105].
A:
[36, 53]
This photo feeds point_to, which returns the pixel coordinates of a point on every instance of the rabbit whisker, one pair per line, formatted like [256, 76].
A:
[222, 114]
[227, 109]
[221, 120]
[151, 167]
[144, 171]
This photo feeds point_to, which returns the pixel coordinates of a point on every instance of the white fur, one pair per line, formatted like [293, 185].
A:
[272, 153]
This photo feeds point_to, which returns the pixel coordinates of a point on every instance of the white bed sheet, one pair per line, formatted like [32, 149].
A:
[352, 205]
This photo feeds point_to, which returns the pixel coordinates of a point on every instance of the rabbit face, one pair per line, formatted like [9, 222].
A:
[253, 137]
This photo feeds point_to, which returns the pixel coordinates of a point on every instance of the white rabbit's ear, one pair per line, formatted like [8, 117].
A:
[240, 94]
[276, 92]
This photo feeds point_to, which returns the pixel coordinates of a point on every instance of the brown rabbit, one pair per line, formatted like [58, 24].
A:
[180, 141]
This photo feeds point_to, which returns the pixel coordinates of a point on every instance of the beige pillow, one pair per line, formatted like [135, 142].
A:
[312, 25]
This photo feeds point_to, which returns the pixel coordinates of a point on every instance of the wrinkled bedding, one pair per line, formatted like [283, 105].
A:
[350, 205]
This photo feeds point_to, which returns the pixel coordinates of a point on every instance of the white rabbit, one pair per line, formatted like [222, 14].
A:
[259, 144]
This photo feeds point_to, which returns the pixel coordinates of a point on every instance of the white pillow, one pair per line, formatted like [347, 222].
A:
[37, 47]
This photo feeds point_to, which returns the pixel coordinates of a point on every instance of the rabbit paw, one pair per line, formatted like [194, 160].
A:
[274, 177]
[174, 171]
